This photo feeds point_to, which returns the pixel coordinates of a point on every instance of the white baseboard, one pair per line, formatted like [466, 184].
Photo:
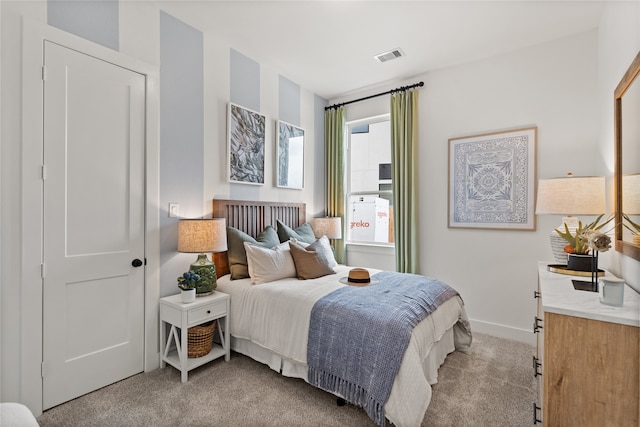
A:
[508, 332]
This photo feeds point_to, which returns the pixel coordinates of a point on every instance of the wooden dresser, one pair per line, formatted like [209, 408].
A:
[588, 355]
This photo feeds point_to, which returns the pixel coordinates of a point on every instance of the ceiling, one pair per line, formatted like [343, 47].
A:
[328, 47]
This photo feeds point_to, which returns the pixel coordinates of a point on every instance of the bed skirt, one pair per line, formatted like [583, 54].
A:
[398, 405]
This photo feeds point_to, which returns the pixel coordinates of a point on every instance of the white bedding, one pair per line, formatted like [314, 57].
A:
[275, 316]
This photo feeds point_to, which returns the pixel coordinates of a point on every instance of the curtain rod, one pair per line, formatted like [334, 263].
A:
[400, 89]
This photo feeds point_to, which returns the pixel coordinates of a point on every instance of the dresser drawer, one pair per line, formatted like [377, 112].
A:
[207, 312]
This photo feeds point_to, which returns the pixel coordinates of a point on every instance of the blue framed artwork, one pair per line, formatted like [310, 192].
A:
[492, 180]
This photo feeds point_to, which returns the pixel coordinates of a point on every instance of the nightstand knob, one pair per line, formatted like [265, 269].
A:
[208, 311]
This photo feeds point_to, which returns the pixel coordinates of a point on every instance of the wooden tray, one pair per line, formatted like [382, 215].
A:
[562, 269]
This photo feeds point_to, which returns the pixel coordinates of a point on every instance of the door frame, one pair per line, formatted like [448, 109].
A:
[31, 228]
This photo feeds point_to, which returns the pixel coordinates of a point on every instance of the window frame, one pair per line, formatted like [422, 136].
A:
[348, 193]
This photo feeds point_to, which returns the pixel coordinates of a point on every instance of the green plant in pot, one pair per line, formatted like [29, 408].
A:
[188, 280]
[188, 283]
[587, 238]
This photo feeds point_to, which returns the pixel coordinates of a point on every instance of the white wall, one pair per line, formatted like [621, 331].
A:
[552, 86]
[565, 88]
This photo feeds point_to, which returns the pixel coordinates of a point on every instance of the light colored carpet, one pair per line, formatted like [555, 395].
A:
[493, 386]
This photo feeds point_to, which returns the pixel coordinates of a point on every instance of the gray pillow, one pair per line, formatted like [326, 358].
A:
[236, 252]
[309, 264]
[304, 233]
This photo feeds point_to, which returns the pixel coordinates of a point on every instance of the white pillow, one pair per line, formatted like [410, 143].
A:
[266, 265]
[322, 244]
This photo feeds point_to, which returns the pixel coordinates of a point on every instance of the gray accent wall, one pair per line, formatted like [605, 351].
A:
[244, 87]
[96, 20]
[244, 81]
[289, 101]
[319, 178]
[181, 139]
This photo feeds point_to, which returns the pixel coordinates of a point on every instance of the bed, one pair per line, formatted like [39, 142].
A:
[271, 323]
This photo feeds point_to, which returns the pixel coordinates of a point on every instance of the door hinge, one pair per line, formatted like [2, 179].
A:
[43, 172]
[44, 73]
[42, 270]
[43, 368]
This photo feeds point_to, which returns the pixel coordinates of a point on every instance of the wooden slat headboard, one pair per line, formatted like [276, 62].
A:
[252, 217]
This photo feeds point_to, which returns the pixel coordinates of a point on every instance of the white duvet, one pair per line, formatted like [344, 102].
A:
[275, 316]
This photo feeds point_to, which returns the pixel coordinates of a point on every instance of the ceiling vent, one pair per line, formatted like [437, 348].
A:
[388, 56]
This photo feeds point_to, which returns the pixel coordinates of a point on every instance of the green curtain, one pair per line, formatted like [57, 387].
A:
[404, 158]
[334, 123]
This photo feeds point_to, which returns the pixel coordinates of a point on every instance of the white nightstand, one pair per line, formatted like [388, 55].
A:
[182, 316]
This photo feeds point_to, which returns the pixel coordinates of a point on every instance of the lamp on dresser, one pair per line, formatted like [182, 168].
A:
[203, 236]
[584, 195]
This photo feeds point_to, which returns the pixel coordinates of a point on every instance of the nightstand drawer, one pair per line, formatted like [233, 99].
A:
[206, 312]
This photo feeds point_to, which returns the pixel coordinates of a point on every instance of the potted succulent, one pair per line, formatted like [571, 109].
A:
[587, 238]
[187, 284]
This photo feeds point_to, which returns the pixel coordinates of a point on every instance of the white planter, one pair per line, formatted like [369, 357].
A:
[188, 296]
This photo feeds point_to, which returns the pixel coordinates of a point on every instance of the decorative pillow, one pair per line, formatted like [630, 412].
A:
[267, 265]
[304, 233]
[236, 252]
[323, 244]
[309, 264]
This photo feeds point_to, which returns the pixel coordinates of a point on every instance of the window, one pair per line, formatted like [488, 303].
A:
[369, 210]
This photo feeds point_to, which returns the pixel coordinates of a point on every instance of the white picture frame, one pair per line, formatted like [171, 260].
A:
[246, 133]
[289, 156]
[492, 180]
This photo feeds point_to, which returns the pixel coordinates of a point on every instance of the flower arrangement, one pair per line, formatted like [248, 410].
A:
[595, 240]
[587, 238]
[188, 280]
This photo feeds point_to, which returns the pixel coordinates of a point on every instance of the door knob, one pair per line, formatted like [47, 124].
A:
[136, 262]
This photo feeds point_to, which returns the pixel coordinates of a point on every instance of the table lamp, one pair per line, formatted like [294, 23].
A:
[330, 226]
[203, 236]
[584, 195]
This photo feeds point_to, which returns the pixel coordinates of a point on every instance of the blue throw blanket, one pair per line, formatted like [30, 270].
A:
[358, 336]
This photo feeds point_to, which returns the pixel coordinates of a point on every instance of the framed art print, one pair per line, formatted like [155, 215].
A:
[290, 156]
[246, 140]
[492, 180]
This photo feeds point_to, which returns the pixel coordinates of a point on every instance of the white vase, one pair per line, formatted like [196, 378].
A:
[188, 296]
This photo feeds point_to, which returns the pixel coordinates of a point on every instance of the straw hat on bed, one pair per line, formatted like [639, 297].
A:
[358, 277]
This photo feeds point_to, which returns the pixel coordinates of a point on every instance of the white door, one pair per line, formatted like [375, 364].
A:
[93, 314]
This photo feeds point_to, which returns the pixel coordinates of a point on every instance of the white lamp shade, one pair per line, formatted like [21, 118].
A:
[571, 196]
[631, 194]
[328, 226]
[202, 235]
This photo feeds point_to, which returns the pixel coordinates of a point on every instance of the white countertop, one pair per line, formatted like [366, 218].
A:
[559, 296]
